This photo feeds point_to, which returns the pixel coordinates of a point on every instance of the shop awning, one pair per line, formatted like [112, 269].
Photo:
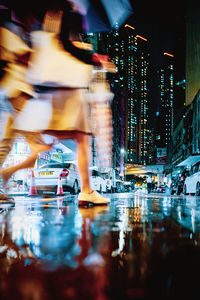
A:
[190, 161]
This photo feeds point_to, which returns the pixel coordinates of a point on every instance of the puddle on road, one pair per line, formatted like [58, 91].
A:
[134, 248]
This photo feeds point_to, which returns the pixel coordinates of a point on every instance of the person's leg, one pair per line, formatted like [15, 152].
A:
[28, 163]
[83, 161]
[10, 134]
[34, 140]
[87, 195]
[82, 140]
[37, 145]
[7, 142]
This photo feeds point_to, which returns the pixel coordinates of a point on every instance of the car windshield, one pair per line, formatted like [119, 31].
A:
[53, 166]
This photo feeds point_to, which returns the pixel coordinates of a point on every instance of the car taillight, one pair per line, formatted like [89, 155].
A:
[64, 173]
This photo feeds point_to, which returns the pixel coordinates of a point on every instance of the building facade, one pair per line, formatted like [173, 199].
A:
[109, 43]
[132, 132]
[134, 69]
[164, 118]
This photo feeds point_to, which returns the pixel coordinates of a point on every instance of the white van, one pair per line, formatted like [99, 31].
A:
[192, 182]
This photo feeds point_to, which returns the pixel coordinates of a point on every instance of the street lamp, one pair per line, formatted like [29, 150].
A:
[122, 151]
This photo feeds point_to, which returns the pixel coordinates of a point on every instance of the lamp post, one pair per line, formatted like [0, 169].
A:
[122, 163]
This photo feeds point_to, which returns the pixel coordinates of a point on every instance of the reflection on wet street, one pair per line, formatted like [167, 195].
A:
[138, 247]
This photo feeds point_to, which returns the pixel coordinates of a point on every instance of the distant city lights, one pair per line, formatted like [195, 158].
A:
[166, 53]
[127, 25]
[141, 37]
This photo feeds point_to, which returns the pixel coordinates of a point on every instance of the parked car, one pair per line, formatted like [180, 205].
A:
[46, 177]
[98, 183]
[177, 186]
[161, 189]
[192, 182]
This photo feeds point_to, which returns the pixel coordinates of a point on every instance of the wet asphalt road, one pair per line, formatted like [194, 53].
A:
[139, 247]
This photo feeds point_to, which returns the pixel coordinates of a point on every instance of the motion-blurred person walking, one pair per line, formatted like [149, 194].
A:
[70, 109]
[14, 56]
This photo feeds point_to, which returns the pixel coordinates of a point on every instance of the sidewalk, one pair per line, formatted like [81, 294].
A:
[17, 193]
[26, 193]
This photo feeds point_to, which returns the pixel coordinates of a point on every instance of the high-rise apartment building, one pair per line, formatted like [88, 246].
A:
[166, 86]
[164, 118]
[130, 105]
[108, 43]
[135, 75]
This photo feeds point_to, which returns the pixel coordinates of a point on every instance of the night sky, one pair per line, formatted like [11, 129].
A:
[162, 23]
[159, 21]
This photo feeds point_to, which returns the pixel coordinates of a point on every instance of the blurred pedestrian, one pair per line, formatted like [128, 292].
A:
[70, 109]
[14, 56]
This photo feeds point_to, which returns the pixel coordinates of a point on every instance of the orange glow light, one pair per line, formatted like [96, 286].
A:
[166, 53]
[141, 37]
[130, 26]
